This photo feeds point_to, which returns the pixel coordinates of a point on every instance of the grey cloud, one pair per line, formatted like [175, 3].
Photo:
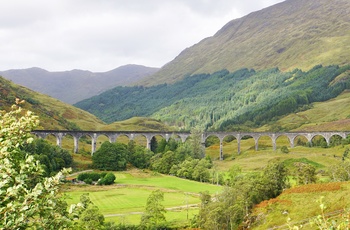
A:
[104, 34]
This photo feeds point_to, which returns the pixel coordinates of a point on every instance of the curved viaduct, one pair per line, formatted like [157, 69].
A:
[112, 136]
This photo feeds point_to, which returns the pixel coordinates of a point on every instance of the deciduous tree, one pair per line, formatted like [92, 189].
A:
[153, 215]
[111, 156]
[28, 200]
[305, 173]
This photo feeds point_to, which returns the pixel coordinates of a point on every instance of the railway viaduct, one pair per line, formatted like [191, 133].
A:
[112, 136]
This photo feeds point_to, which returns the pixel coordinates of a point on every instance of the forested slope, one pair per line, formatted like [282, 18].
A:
[243, 99]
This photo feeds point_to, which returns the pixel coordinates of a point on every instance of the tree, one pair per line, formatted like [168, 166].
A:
[140, 157]
[201, 171]
[185, 168]
[111, 156]
[233, 175]
[225, 211]
[90, 216]
[52, 157]
[160, 146]
[196, 143]
[163, 162]
[153, 215]
[305, 173]
[340, 171]
[27, 198]
[228, 209]
[274, 180]
[154, 144]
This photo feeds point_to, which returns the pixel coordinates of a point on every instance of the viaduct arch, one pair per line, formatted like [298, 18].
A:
[112, 136]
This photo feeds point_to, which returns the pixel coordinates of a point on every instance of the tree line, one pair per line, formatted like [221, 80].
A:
[185, 160]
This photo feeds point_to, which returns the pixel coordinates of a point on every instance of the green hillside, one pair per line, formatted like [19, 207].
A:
[292, 34]
[54, 114]
[330, 115]
[241, 100]
[139, 124]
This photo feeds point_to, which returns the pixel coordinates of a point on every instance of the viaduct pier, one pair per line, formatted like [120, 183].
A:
[113, 135]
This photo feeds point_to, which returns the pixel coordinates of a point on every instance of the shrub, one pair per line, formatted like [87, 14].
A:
[91, 176]
[88, 181]
[107, 180]
[284, 149]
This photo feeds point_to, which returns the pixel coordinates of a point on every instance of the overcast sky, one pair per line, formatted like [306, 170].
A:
[100, 35]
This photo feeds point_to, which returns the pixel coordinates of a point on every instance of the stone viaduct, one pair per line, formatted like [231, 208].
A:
[112, 136]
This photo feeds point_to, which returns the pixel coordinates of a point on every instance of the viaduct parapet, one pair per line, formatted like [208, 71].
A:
[112, 136]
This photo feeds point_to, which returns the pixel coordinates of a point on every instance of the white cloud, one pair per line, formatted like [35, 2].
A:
[100, 35]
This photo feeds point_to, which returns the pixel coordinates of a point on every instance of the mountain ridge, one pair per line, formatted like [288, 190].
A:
[291, 34]
[75, 85]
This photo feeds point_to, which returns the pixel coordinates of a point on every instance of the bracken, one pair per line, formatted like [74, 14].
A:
[315, 188]
[266, 203]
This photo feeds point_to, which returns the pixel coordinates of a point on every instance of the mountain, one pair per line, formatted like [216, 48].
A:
[242, 100]
[292, 34]
[256, 69]
[76, 85]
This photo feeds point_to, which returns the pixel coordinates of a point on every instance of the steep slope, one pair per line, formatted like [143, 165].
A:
[244, 99]
[53, 114]
[76, 85]
[292, 34]
[56, 115]
[331, 115]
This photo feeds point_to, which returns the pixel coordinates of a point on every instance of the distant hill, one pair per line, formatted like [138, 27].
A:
[76, 85]
[292, 34]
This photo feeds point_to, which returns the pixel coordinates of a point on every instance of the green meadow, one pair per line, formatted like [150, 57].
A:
[125, 201]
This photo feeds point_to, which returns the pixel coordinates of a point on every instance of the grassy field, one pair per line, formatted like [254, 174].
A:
[125, 201]
[251, 160]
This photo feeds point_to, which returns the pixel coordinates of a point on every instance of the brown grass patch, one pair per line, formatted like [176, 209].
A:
[214, 147]
[315, 188]
[68, 114]
[266, 203]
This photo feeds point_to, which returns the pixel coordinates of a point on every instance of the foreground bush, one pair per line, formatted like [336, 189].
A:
[28, 200]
